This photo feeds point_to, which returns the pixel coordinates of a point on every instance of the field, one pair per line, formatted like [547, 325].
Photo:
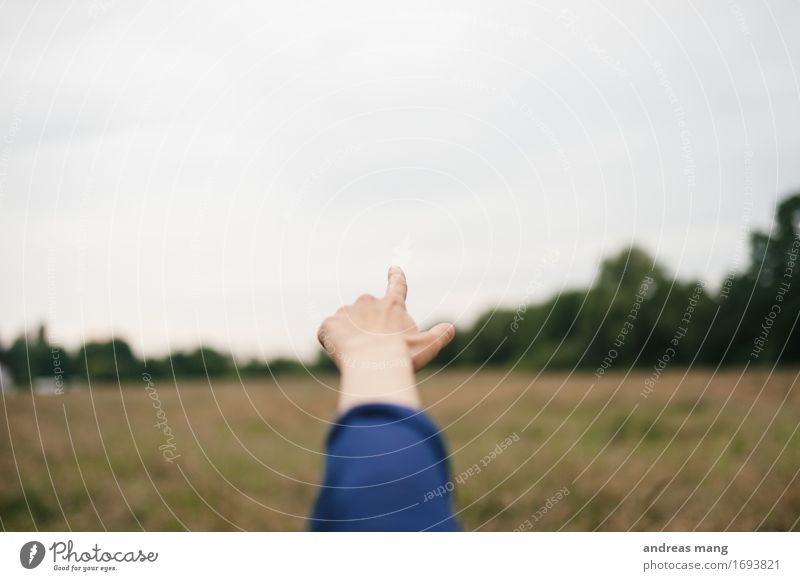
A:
[703, 451]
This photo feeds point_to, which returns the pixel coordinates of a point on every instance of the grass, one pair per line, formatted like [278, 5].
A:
[704, 451]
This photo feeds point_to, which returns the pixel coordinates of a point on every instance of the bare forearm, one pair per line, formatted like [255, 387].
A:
[380, 371]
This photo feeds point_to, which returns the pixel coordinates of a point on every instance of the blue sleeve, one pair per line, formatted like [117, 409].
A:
[385, 470]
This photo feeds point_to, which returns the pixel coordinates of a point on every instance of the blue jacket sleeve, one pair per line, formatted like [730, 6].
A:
[386, 470]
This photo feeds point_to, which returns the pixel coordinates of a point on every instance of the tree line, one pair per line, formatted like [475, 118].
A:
[637, 314]
[634, 314]
[34, 356]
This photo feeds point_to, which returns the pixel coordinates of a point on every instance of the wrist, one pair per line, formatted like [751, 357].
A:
[378, 370]
[373, 352]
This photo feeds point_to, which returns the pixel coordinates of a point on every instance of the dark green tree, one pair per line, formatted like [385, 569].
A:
[108, 361]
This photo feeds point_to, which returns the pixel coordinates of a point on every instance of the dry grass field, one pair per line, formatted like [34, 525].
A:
[703, 451]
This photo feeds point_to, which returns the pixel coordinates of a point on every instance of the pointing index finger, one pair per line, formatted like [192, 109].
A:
[397, 285]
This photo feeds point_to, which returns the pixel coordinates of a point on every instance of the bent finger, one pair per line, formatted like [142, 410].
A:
[428, 344]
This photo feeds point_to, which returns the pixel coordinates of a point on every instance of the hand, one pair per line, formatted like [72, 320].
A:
[377, 347]
[358, 333]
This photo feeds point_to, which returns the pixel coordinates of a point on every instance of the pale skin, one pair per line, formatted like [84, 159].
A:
[378, 348]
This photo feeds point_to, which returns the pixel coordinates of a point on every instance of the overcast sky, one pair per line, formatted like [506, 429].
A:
[231, 172]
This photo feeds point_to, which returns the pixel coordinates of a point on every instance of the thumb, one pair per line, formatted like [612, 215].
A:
[426, 345]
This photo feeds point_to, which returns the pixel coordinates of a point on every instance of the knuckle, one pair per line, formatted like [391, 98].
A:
[325, 326]
[365, 298]
[394, 300]
[324, 337]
